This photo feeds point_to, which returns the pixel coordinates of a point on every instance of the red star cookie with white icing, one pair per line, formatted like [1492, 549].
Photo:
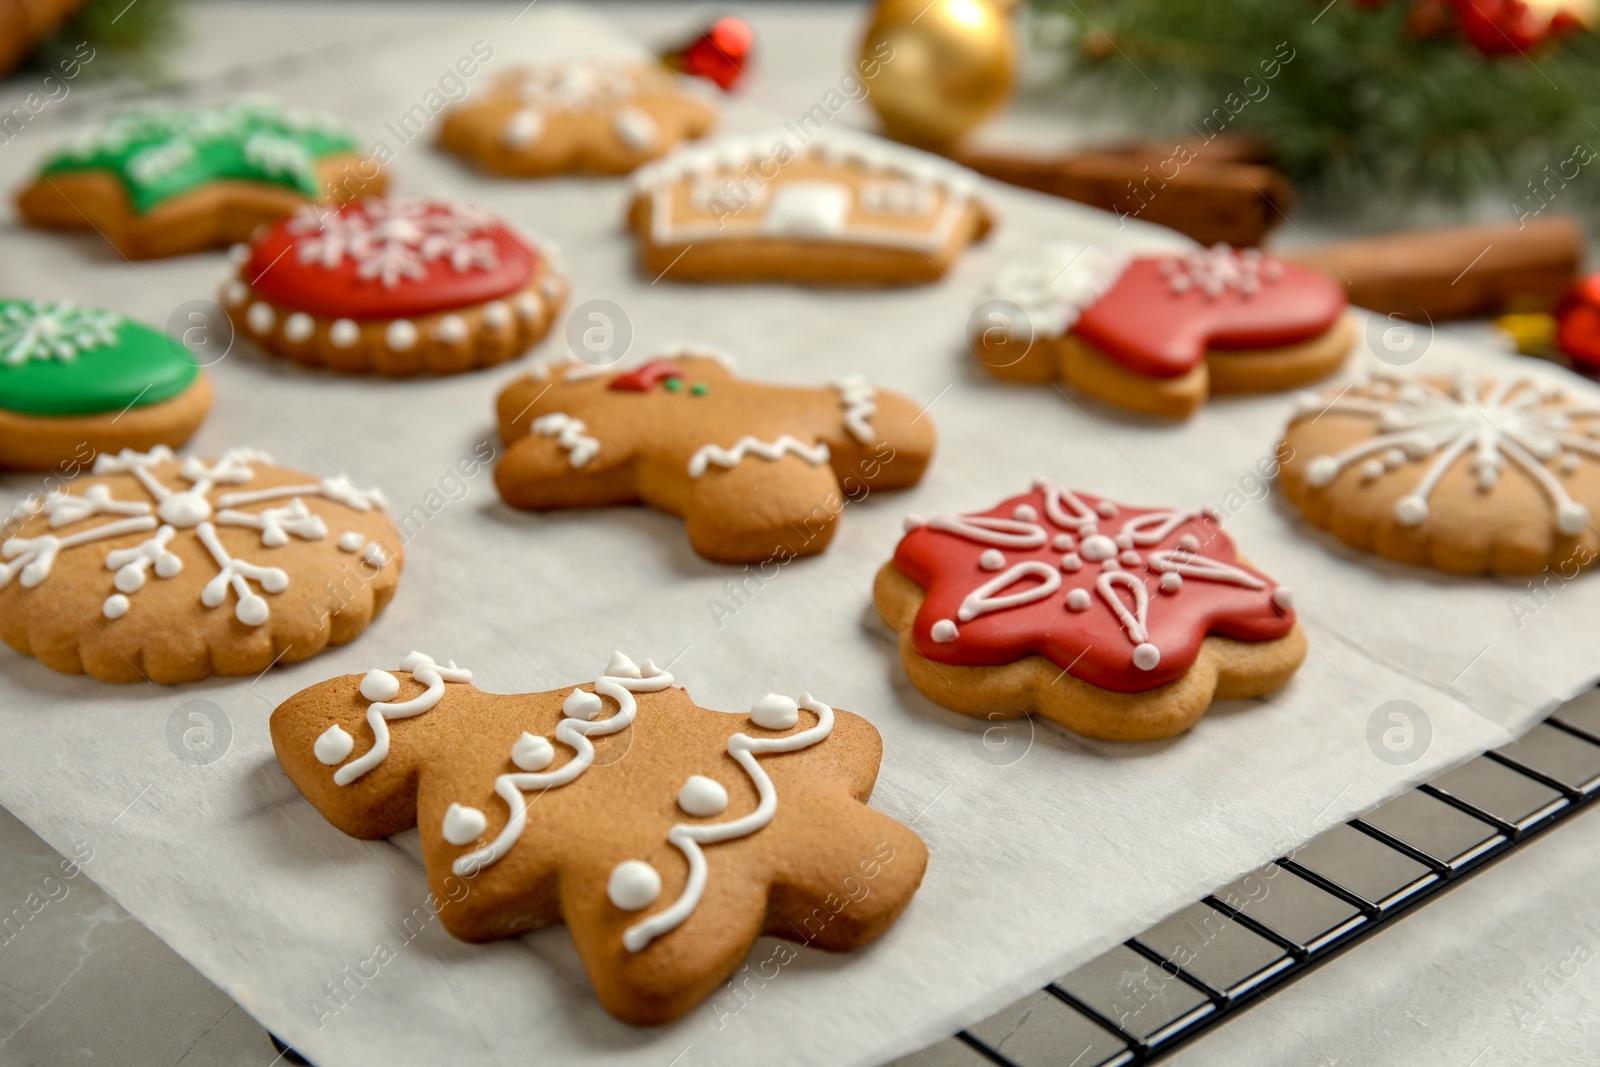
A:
[588, 116]
[666, 837]
[1157, 334]
[1116, 622]
[841, 208]
[756, 471]
[166, 570]
[393, 285]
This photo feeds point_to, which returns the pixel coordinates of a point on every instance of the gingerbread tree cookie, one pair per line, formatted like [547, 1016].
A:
[1116, 622]
[77, 380]
[393, 285]
[1473, 476]
[160, 181]
[755, 470]
[588, 116]
[167, 570]
[839, 208]
[1158, 334]
[665, 836]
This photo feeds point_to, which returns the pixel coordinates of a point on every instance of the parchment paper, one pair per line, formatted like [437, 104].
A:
[1046, 849]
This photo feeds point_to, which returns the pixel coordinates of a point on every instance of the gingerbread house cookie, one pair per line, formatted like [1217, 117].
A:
[77, 380]
[1472, 475]
[840, 208]
[588, 116]
[665, 866]
[756, 471]
[170, 570]
[1157, 334]
[393, 285]
[160, 181]
[1117, 622]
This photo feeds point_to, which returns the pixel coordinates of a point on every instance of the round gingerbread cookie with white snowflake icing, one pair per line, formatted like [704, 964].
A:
[77, 380]
[1117, 622]
[395, 286]
[1470, 475]
[161, 569]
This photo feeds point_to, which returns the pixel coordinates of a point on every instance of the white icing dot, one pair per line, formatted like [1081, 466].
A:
[1110, 565]
[633, 885]
[944, 631]
[344, 333]
[235, 293]
[1393, 457]
[527, 306]
[260, 317]
[1064, 542]
[374, 555]
[463, 825]
[1097, 547]
[252, 610]
[1131, 558]
[1124, 540]
[1321, 470]
[452, 329]
[1411, 510]
[522, 129]
[1106, 508]
[238, 254]
[298, 327]
[1078, 600]
[401, 335]
[379, 686]
[333, 745]
[1171, 582]
[1372, 468]
[1568, 464]
[116, 605]
[532, 753]
[184, 510]
[702, 796]
[913, 521]
[1146, 657]
[1025, 513]
[1071, 562]
[635, 128]
[1190, 542]
[620, 666]
[581, 705]
[1283, 598]
[1572, 518]
[496, 315]
[351, 541]
[992, 559]
[775, 712]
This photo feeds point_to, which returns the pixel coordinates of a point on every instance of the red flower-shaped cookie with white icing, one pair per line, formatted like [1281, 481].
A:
[1157, 334]
[395, 286]
[1117, 622]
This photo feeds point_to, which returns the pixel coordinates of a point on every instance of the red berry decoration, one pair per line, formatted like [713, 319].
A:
[719, 55]
[1505, 27]
[1578, 324]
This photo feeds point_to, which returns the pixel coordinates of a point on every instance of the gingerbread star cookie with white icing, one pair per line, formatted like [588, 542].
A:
[756, 471]
[667, 837]
[585, 116]
[77, 380]
[161, 181]
[1157, 334]
[841, 208]
[1116, 622]
[171, 570]
[395, 286]
[1471, 475]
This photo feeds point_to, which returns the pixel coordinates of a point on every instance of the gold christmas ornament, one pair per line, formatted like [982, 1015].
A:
[944, 66]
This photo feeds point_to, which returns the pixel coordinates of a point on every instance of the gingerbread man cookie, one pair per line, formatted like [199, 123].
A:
[840, 208]
[1157, 334]
[665, 865]
[160, 181]
[1117, 622]
[589, 116]
[756, 471]
[76, 380]
[393, 285]
[1472, 475]
[167, 570]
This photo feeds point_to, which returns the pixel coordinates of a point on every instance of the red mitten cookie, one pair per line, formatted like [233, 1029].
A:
[393, 285]
[665, 836]
[1157, 334]
[1116, 622]
[756, 471]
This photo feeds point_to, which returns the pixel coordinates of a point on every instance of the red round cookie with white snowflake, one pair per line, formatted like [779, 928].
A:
[394, 285]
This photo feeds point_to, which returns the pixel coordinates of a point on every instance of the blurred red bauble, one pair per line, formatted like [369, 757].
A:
[719, 55]
[1578, 324]
[1506, 27]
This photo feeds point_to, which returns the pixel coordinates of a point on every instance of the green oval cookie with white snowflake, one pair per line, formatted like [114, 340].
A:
[62, 359]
